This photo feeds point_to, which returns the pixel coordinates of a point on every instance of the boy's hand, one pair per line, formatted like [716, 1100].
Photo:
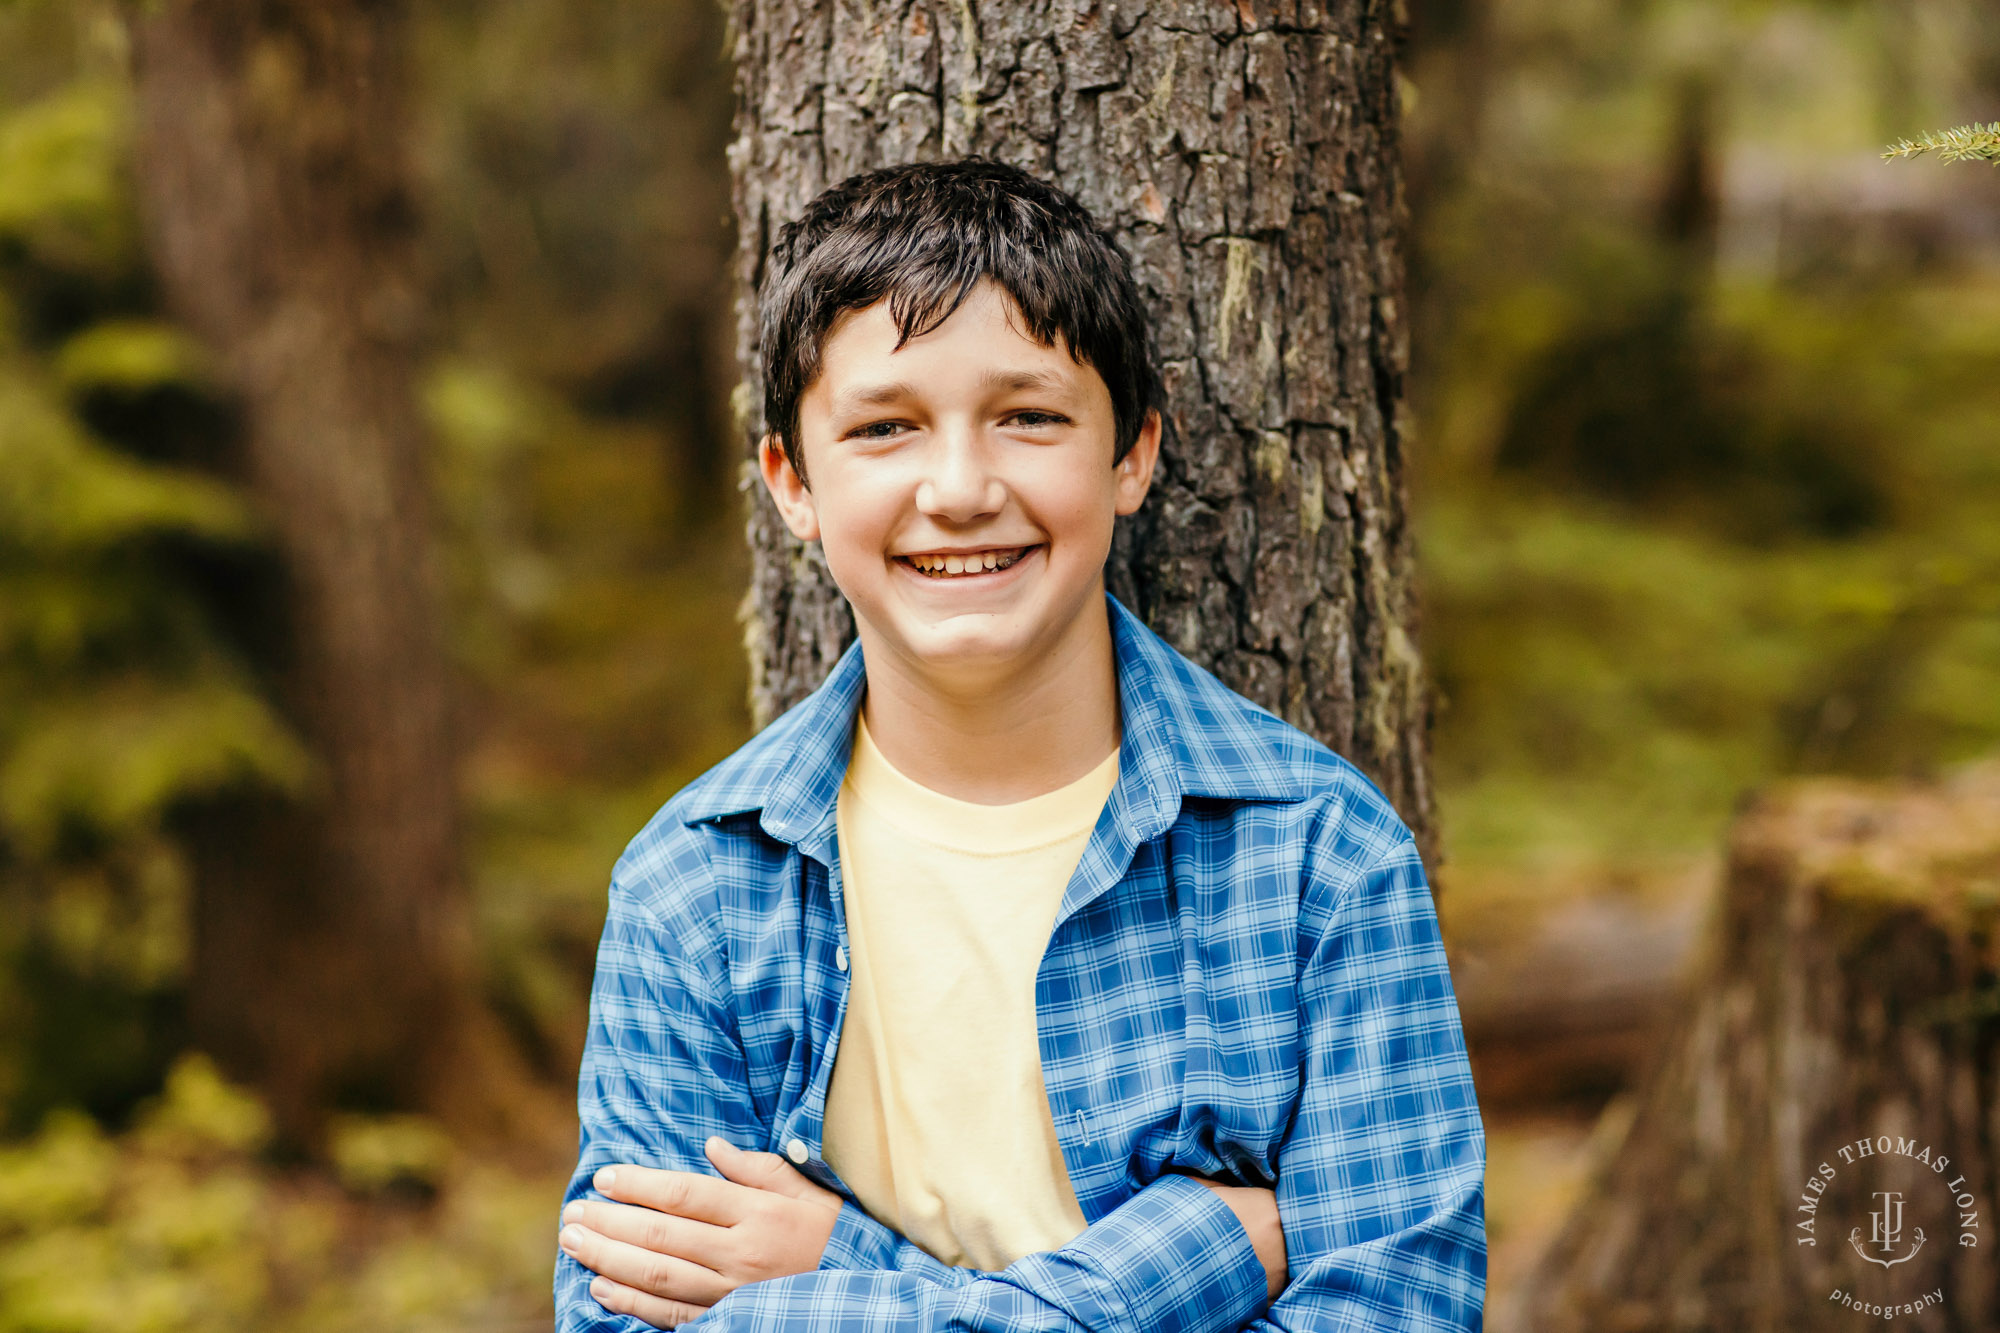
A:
[675, 1242]
[1257, 1210]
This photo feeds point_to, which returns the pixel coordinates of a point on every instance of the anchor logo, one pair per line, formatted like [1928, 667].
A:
[1886, 1231]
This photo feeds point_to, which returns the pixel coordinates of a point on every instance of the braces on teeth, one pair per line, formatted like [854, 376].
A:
[944, 566]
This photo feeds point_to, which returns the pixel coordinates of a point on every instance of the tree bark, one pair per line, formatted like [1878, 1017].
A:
[1246, 156]
[331, 939]
[1849, 998]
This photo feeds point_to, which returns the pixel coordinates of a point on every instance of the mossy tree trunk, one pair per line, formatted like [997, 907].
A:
[1246, 156]
[1842, 1044]
[331, 953]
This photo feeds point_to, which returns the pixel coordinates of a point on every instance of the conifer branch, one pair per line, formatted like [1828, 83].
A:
[1967, 143]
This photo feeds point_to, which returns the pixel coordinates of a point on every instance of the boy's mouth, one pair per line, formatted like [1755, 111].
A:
[969, 565]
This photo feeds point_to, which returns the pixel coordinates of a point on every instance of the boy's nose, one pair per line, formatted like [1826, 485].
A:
[958, 483]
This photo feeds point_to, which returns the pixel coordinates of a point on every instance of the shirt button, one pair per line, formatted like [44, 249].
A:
[840, 957]
[796, 1150]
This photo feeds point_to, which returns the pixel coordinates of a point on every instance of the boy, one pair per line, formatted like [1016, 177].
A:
[1023, 976]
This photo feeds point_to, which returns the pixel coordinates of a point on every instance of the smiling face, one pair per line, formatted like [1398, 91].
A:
[963, 488]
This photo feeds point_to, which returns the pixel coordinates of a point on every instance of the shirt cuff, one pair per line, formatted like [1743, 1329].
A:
[1179, 1256]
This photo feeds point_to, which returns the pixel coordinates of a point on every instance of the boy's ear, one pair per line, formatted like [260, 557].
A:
[788, 489]
[1135, 470]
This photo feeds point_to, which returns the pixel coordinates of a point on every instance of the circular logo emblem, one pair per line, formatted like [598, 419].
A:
[1878, 1211]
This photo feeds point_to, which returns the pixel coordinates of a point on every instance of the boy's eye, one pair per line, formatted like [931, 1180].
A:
[875, 430]
[1032, 417]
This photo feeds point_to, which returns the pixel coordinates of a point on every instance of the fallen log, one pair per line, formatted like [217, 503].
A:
[1563, 1007]
[1815, 1146]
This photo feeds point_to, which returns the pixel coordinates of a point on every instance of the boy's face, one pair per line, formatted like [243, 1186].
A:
[970, 441]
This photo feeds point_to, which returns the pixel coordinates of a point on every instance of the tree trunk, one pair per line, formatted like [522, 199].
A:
[1246, 155]
[1841, 1046]
[331, 939]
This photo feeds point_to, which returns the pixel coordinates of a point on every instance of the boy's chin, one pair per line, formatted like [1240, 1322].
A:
[961, 651]
[959, 644]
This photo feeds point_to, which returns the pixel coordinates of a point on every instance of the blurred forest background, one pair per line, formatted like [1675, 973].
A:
[1708, 407]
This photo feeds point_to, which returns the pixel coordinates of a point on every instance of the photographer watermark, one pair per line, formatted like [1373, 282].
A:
[1900, 1196]
[1921, 1303]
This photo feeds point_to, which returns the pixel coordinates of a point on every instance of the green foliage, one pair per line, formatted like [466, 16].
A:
[375, 1153]
[1967, 143]
[593, 563]
[119, 699]
[113, 759]
[1653, 401]
[63, 195]
[178, 1225]
[1613, 688]
[1698, 505]
[63, 494]
[129, 355]
[593, 576]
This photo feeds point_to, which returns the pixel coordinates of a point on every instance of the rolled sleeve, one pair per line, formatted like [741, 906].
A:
[1381, 1180]
[1172, 1259]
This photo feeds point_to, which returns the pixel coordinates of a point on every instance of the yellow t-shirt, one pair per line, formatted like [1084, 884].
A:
[937, 1117]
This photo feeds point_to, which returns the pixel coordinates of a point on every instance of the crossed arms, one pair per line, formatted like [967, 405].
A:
[1379, 1176]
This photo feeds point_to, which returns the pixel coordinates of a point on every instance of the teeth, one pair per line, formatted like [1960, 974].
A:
[946, 566]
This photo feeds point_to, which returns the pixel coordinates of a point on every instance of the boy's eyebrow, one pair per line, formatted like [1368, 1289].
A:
[1008, 381]
[872, 395]
[1012, 380]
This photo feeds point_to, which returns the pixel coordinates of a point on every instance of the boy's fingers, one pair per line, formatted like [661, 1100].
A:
[759, 1170]
[650, 1229]
[665, 1276]
[621, 1299]
[682, 1193]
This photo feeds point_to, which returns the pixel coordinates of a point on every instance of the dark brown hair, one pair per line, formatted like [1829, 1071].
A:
[923, 235]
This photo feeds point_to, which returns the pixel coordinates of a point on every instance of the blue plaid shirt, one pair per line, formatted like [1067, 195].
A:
[1244, 982]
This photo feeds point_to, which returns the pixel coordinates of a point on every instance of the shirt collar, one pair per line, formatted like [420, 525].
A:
[1184, 734]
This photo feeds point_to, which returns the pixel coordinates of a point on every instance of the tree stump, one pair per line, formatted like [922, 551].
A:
[1821, 1130]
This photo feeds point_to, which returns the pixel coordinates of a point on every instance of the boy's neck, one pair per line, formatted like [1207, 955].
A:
[1037, 728]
